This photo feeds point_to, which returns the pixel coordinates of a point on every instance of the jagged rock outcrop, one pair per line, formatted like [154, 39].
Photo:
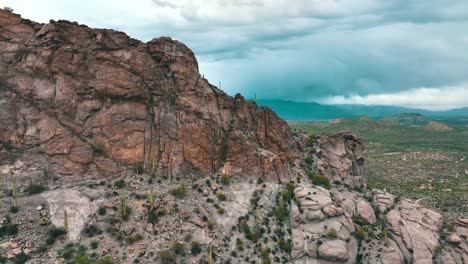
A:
[88, 100]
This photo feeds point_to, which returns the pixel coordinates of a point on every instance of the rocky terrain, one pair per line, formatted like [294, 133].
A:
[118, 151]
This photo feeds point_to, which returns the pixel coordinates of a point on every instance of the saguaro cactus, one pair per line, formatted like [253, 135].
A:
[65, 219]
[151, 199]
[15, 193]
[123, 209]
[211, 254]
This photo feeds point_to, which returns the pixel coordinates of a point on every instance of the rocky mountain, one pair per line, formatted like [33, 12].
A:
[118, 151]
[85, 101]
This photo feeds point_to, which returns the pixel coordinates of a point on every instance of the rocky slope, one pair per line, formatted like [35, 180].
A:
[143, 161]
[85, 101]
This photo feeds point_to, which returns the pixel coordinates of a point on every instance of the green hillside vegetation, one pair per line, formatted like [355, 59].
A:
[413, 162]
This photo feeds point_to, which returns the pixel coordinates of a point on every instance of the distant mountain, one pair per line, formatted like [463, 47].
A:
[303, 111]
[408, 119]
[311, 111]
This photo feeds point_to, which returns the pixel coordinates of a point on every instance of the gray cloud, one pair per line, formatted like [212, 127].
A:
[301, 50]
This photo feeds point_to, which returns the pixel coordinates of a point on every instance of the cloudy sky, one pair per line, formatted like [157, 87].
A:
[389, 52]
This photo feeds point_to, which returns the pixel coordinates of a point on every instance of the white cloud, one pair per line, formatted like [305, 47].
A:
[443, 98]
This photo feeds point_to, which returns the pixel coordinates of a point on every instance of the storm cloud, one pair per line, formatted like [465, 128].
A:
[306, 50]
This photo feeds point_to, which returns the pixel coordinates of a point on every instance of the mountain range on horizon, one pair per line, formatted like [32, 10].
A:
[312, 111]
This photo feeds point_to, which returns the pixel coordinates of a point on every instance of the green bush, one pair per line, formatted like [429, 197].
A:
[91, 230]
[53, 234]
[225, 179]
[21, 258]
[195, 248]
[320, 180]
[361, 233]
[119, 184]
[94, 244]
[332, 233]
[265, 256]
[102, 211]
[167, 257]
[134, 238]
[180, 191]
[138, 168]
[8, 230]
[239, 244]
[285, 245]
[35, 189]
[221, 196]
[178, 247]
[281, 212]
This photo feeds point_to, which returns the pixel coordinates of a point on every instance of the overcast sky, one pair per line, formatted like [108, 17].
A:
[390, 52]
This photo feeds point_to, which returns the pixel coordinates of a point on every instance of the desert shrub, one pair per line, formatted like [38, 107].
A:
[239, 244]
[105, 260]
[178, 247]
[53, 234]
[152, 216]
[320, 180]
[91, 230]
[167, 257]
[361, 233]
[8, 9]
[285, 245]
[180, 191]
[221, 196]
[332, 233]
[8, 230]
[35, 189]
[119, 184]
[451, 227]
[102, 211]
[221, 210]
[281, 212]
[94, 244]
[225, 179]
[21, 258]
[265, 256]
[138, 168]
[134, 238]
[255, 199]
[195, 248]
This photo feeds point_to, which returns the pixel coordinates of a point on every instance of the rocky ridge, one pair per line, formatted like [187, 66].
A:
[81, 106]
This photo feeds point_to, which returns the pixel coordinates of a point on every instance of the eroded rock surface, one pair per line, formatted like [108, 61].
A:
[88, 100]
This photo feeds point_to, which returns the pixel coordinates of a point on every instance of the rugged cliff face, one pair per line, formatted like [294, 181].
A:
[212, 174]
[88, 100]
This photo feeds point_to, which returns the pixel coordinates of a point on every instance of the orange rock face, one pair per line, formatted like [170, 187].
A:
[90, 100]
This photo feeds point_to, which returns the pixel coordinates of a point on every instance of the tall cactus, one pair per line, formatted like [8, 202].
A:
[123, 208]
[15, 193]
[65, 219]
[151, 199]
[211, 254]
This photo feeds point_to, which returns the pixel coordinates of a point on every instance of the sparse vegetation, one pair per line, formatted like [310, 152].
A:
[180, 191]
[320, 180]
[35, 189]
[195, 248]
[119, 184]
[139, 168]
[225, 179]
[53, 234]
[167, 257]
[8, 229]
[221, 196]
[332, 233]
